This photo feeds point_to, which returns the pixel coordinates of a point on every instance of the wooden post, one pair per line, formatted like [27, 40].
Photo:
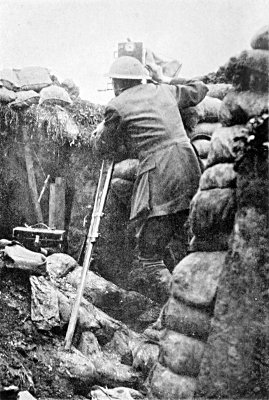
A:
[31, 175]
[57, 204]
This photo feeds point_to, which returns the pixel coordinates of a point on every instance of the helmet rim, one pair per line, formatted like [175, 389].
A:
[126, 67]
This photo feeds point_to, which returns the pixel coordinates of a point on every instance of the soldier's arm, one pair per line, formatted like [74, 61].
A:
[105, 139]
[187, 93]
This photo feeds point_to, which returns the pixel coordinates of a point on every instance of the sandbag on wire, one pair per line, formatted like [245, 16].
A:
[261, 39]
[25, 99]
[55, 95]
[239, 107]
[212, 211]
[126, 169]
[218, 90]
[222, 144]
[218, 176]
[208, 109]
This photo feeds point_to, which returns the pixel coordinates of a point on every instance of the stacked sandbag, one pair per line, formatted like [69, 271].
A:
[233, 364]
[21, 87]
[186, 317]
[185, 321]
[214, 205]
[124, 175]
[202, 120]
[33, 85]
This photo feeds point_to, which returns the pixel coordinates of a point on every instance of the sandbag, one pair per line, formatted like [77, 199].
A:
[6, 95]
[164, 384]
[261, 39]
[9, 79]
[202, 146]
[54, 95]
[218, 176]
[215, 242]
[44, 303]
[126, 169]
[212, 211]
[205, 128]
[25, 99]
[218, 90]
[33, 78]
[185, 319]
[239, 107]
[208, 109]
[196, 277]
[222, 144]
[181, 354]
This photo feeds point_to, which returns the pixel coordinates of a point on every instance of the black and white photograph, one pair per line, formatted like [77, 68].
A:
[134, 200]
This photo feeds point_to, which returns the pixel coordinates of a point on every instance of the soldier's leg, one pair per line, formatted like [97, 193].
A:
[153, 238]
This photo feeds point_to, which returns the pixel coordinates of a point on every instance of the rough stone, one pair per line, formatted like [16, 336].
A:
[59, 264]
[181, 354]
[44, 303]
[109, 369]
[145, 355]
[120, 393]
[121, 304]
[75, 365]
[196, 277]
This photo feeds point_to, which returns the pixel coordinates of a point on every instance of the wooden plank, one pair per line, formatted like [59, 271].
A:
[31, 175]
[57, 204]
[52, 209]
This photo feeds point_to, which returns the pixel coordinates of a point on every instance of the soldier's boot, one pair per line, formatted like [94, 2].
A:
[158, 279]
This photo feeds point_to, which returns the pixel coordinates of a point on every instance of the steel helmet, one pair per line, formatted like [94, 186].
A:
[127, 67]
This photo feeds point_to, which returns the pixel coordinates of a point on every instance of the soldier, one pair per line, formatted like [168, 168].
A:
[145, 118]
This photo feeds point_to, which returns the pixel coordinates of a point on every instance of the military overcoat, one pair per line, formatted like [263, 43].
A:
[146, 120]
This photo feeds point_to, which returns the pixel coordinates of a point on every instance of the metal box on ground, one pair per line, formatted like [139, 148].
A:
[31, 237]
